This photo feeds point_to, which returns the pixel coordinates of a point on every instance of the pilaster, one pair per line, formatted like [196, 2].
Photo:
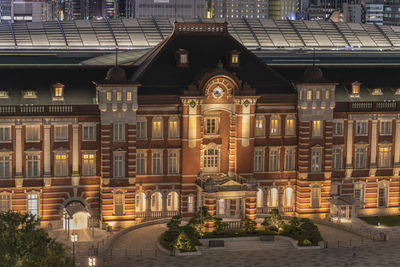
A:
[374, 137]
[349, 148]
[46, 150]
[18, 151]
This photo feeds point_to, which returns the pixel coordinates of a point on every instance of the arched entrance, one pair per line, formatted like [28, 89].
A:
[76, 216]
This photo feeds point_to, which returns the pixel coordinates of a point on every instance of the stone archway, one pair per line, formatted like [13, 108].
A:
[75, 216]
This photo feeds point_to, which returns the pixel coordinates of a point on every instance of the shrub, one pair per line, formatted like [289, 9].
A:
[310, 232]
[174, 223]
[250, 226]
[273, 221]
[184, 243]
[307, 242]
[219, 225]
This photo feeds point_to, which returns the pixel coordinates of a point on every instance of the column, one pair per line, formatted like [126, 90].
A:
[192, 124]
[373, 148]
[349, 148]
[164, 203]
[148, 204]
[75, 150]
[46, 148]
[246, 124]
[18, 151]
[397, 149]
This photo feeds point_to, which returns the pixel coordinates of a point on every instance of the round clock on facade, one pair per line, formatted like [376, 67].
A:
[217, 92]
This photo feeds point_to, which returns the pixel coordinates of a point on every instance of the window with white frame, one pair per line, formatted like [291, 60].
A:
[173, 162]
[157, 128]
[5, 166]
[157, 162]
[259, 160]
[32, 162]
[141, 162]
[119, 131]
[60, 132]
[5, 202]
[260, 126]
[89, 133]
[274, 126]
[290, 129]
[315, 196]
[33, 204]
[141, 128]
[118, 203]
[274, 159]
[361, 157]
[384, 156]
[337, 129]
[317, 128]
[61, 164]
[190, 203]
[382, 195]
[386, 128]
[361, 128]
[359, 191]
[32, 133]
[212, 125]
[337, 153]
[88, 164]
[316, 160]
[119, 164]
[173, 127]
[290, 155]
[5, 133]
[211, 159]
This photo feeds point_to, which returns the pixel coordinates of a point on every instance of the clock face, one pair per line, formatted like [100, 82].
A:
[217, 92]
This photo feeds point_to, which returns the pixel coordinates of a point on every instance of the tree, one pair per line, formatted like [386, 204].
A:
[250, 226]
[174, 223]
[200, 218]
[23, 243]
[219, 225]
[184, 243]
[274, 220]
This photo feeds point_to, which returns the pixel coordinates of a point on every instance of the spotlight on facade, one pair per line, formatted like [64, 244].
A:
[92, 261]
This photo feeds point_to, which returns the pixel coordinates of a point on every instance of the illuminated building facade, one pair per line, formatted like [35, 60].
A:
[185, 127]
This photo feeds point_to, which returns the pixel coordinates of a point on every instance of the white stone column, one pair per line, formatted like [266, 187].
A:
[397, 150]
[192, 133]
[46, 150]
[349, 148]
[75, 150]
[18, 151]
[246, 124]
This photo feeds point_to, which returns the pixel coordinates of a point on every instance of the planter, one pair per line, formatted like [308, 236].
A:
[181, 254]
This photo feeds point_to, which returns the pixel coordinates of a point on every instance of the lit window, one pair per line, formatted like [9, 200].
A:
[61, 165]
[140, 202]
[141, 128]
[157, 162]
[191, 203]
[129, 96]
[355, 89]
[316, 130]
[32, 162]
[33, 205]
[157, 132]
[89, 164]
[108, 96]
[211, 160]
[273, 159]
[327, 94]
[30, 94]
[258, 160]
[183, 58]
[397, 92]
[119, 131]
[260, 126]
[377, 91]
[361, 128]
[58, 92]
[386, 128]
[309, 95]
[173, 162]
[119, 96]
[3, 94]
[5, 202]
[5, 166]
[118, 203]
[274, 127]
[89, 132]
[316, 160]
[288, 198]
[118, 165]
[173, 129]
[141, 162]
[318, 94]
[60, 133]
[272, 200]
[384, 157]
[290, 127]
[5, 133]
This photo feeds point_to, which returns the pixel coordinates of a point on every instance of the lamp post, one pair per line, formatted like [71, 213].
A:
[74, 238]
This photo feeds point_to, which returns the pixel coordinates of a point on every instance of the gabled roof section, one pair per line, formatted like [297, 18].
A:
[207, 44]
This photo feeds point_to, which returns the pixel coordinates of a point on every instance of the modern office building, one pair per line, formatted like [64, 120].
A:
[21, 10]
[282, 9]
[374, 12]
[238, 9]
[169, 8]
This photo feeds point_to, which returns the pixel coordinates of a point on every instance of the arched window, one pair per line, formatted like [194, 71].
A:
[288, 197]
[140, 202]
[157, 128]
[211, 158]
[118, 203]
[173, 127]
[315, 196]
[156, 201]
[172, 201]
[273, 198]
[260, 198]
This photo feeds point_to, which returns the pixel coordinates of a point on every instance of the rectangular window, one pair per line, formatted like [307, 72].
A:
[274, 127]
[259, 160]
[141, 128]
[89, 133]
[141, 163]
[309, 95]
[119, 165]
[33, 205]
[32, 165]
[259, 126]
[128, 96]
[190, 204]
[173, 162]
[336, 189]
[184, 58]
[211, 126]
[58, 91]
[157, 163]
[119, 131]
[109, 96]
[173, 129]
[289, 159]
[119, 96]
[274, 160]
[89, 164]
[361, 158]
[386, 128]
[337, 158]
[315, 193]
[361, 128]
[5, 166]
[61, 165]
[382, 197]
[337, 129]
[32, 133]
[316, 160]
[316, 130]
[359, 192]
[5, 202]
[327, 94]
[157, 128]
[384, 157]
[118, 204]
[290, 127]
[5, 133]
[318, 94]
[60, 132]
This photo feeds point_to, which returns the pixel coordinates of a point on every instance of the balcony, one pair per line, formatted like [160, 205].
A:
[29, 110]
[156, 214]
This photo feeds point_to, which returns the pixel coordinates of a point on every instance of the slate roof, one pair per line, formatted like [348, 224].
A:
[158, 72]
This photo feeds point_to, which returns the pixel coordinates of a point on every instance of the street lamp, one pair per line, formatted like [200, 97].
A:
[74, 238]
[92, 261]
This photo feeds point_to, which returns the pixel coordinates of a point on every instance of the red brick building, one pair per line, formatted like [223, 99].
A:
[198, 120]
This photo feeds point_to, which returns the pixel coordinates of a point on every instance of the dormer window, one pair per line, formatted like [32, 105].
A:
[377, 91]
[30, 94]
[182, 58]
[3, 94]
[355, 89]
[58, 91]
[234, 58]
[397, 91]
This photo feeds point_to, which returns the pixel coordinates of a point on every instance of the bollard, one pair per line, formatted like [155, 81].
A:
[126, 251]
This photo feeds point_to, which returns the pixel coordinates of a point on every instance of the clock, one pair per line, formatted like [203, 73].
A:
[217, 92]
